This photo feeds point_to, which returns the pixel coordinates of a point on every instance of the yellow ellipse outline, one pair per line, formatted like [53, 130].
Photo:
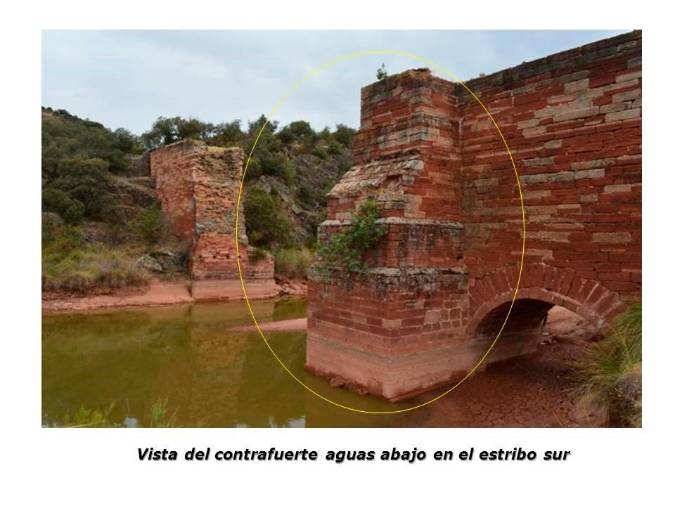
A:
[313, 72]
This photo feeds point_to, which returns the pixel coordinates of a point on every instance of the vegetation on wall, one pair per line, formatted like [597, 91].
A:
[346, 250]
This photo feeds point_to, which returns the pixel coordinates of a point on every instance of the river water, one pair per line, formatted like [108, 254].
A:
[208, 374]
[189, 357]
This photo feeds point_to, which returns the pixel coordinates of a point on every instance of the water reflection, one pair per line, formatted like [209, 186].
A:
[210, 375]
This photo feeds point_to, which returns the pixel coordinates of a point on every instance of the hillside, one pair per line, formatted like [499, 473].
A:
[102, 225]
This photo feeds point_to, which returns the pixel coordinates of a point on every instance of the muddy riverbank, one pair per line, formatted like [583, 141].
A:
[165, 293]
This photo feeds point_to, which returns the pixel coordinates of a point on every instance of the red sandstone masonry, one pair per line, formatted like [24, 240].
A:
[198, 187]
[445, 273]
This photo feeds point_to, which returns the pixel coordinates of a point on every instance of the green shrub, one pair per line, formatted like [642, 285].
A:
[346, 249]
[159, 414]
[320, 152]
[266, 223]
[257, 254]
[86, 270]
[70, 264]
[80, 179]
[334, 148]
[88, 418]
[344, 135]
[150, 225]
[610, 374]
[288, 173]
[65, 136]
[292, 263]
[63, 240]
[159, 417]
[59, 202]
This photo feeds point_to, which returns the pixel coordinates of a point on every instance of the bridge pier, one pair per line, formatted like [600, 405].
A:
[441, 279]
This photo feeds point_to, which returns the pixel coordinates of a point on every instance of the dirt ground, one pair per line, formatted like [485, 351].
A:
[530, 391]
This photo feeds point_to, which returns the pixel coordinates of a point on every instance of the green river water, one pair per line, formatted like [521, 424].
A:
[189, 356]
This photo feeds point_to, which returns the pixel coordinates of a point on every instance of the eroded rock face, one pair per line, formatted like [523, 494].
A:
[198, 186]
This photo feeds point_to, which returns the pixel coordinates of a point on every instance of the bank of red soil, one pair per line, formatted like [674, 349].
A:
[157, 293]
[276, 326]
[161, 293]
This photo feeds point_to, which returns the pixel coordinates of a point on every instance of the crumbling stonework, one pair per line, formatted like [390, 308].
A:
[443, 278]
[198, 186]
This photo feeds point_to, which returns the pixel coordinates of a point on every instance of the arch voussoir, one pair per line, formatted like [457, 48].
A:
[561, 287]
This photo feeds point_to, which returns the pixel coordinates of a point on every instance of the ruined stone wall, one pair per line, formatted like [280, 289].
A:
[216, 179]
[573, 124]
[171, 168]
[198, 187]
[428, 153]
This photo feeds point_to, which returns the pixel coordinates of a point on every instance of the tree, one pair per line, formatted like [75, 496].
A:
[266, 223]
[169, 130]
[298, 131]
[127, 142]
[228, 133]
[255, 126]
[344, 134]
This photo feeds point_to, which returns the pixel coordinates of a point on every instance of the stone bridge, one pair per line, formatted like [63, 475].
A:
[442, 279]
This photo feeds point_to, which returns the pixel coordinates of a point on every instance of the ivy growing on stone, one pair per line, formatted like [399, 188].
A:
[345, 250]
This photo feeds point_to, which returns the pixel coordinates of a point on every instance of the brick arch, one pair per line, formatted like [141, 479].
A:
[540, 282]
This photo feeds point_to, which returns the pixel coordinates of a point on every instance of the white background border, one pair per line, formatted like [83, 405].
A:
[608, 466]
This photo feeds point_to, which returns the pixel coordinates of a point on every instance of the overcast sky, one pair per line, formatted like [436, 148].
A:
[129, 78]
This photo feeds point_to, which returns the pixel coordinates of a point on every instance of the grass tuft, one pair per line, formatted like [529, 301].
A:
[610, 373]
[292, 263]
[71, 264]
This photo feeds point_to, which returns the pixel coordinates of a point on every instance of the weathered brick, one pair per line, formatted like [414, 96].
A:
[617, 188]
[623, 115]
[575, 86]
[612, 237]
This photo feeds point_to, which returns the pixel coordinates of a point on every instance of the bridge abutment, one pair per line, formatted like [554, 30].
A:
[439, 281]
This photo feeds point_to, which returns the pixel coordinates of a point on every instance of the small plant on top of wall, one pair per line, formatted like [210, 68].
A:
[345, 250]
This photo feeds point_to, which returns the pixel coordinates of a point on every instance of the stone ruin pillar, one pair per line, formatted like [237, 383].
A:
[198, 186]
[381, 333]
